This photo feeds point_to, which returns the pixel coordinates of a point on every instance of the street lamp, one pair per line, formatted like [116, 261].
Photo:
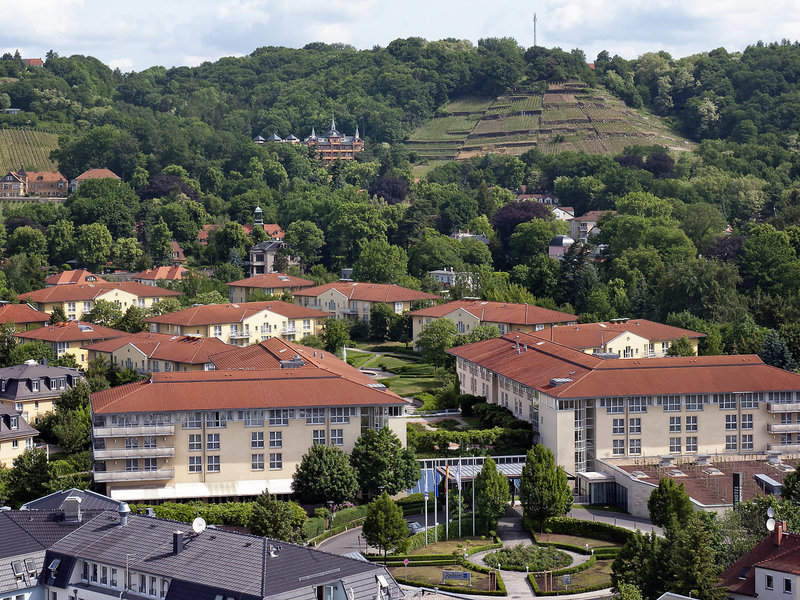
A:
[330, 510]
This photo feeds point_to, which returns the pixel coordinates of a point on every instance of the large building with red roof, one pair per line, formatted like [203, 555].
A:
[243, 323]
[156, 274]
[23, 316]
[237, 431]
[69, 337]
[266, 283]
[353, 300]
[92, 174]
[588, 407]
[507, 316]
[70, 277]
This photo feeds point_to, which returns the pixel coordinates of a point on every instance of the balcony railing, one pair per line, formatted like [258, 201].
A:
[238, 335]
[783, 427]
[134, 430]
[289, 331]
[111, 453]
[780, 407]
[104, 476]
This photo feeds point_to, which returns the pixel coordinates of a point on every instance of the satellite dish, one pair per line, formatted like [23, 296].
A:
[199, 525]
[770, 512]
[770, 524]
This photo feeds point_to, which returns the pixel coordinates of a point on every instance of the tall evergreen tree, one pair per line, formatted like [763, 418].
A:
[669, 504]
[543, 491]
[692, 562]
[775, 352]
[491, 494]
[384, 526]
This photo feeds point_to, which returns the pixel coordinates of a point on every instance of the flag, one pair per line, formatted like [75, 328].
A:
[426, 483]
[458, 475]
[447, 476]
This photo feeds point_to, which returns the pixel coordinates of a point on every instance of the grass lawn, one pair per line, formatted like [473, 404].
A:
[393, 363]
[575, 540]
[410, 386]
[598, 574]
[450, 546]
[432, 576]
[357, 359]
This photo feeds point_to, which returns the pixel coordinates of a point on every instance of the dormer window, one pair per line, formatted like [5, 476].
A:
[2, 385]
[14, 422]
[34, 385]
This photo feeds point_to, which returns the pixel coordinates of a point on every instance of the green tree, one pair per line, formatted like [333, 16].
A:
[335, 334]
[491, 494]
[306, 240]
[71, 429]
[58, 315]
[669, 504]
[380, 262]
[31, 477]
[681, 347]
[93, 245]
[775, 352]
[27, 240]
[543, 491]
[36, 350]
[435, 339]
[638, 564]
[159, 244]
[132, 321]
[381, 462]
[384, 526]
[692, 561]
[61, 241]
[127, 252]
[103, 313]
[381, 320]
[272, 518]
[324, 474]
[791, 487]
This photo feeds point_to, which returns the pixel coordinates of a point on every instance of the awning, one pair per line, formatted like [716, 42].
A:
[182, 491]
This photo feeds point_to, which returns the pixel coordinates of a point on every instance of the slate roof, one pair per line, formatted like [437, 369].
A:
[498, 312]
[89, 501]
[89, 291]
[211, 314]
[17, 377]
[532, 361]
[369, 292]
[71, 331]
[23, 429]
[30, 531]
[21, 313]
[247, 570]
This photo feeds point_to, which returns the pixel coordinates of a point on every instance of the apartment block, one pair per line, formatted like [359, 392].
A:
[32, 388]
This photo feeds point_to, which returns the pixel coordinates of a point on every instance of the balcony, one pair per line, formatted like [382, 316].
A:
[240, 335]
[783, 427]
[780, 407]
[133, 430]
[106, 476]
[121, 453]
[289, 331]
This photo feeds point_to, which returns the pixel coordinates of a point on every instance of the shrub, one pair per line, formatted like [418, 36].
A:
[535, 558]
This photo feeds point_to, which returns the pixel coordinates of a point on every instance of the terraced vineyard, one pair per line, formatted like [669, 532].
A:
[28, 148]
[568, 116]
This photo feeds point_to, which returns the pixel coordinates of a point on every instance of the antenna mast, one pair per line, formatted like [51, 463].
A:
[534, 30]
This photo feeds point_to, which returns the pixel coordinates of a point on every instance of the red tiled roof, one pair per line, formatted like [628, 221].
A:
[162, 346]
[51, 176]
[70, 331]
[173, 273]
[596, 335]
[740, 577]
[76, 276]
[498, 312]
[538, 361]
[209, 314]
[90, 291]
[97, 174]
[177, 252]
[239, 389]
[594, 215]
[271, 280]
[21, 313]
[368, 292]
[269, 354]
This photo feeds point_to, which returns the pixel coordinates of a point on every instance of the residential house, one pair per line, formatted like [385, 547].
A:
[147, 352]
[177, 255]
[103, 173]
[69, 337]
[45, 184]
[627, 338]
[549, 199]
[70, 277]
[559, 245]
[353, 300]
[31, 388]
[91, 554]
[243, 323]
[583, 227]
[16, 435]
[23, 316]
[769, 571]
[156, 274]
[563, 213]
[447, 277]
[33, 62]
[13, 185]
[588, 407]
[261, 258]
[237, 431]
[466, 235]
[334, 145]
[273, 231]
[267, 283]
[78, 299]
[507, 316]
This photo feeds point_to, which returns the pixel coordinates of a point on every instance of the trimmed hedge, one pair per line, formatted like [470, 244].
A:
[592, 529]
[335, 531]
[601, 552]
[591, 588]
[501, 586]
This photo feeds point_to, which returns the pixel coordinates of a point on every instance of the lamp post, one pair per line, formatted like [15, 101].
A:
[330, 510]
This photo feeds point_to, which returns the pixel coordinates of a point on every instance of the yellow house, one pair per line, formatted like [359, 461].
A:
[242, 324]
[629, 338]
[506, 316]
[147, 352]
[78, 299]
[23, 316]
[236, 431]
[31, 388]
[69, 337]
[353, 300]
[267, 283]
[16, 435]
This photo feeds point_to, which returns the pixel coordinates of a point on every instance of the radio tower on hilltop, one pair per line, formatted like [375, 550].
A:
[534, 30]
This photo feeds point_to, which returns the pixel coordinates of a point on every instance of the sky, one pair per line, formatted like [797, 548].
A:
[134, 35]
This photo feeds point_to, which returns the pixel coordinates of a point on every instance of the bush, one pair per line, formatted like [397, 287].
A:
[591, 529]
[535, 558]
[347, 515]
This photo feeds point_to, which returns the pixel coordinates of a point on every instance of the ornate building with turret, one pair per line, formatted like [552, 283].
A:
[329, 147]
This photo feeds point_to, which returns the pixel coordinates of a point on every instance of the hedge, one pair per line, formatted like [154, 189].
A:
[501, 586]
[592, 529]
[591, 588]
[336, 531]
[601, 552]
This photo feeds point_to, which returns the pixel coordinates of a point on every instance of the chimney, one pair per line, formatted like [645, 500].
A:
[72, 509]
[177, 542]
[780, 529]
[123, 512]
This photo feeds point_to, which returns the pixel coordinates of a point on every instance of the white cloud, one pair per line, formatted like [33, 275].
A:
[125, 65]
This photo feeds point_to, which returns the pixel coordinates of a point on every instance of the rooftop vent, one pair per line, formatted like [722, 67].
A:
[295, 363]
[72, 509]
[702, 459]
[639, 474]
[123, 512]
[30, 362]
[712, 471]
[85, 328]
[177, 542]
[665, 460]
[677, 473]
[773, 457]
[557, 381]
[606, 355]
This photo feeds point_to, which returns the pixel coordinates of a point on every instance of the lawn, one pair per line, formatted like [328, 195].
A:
[449, 546]
[410, 386]
[598, 574]
[392, 363]
[432, 576]
[358, 359]
[575, 540]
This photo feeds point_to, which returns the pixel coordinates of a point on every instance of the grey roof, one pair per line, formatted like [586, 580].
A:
[24, 532]
[265, 246]
[562, 240]
[275, 138]
[23, 429]
[89, 501]
[9, 581]
[18, 376]
[232, 564]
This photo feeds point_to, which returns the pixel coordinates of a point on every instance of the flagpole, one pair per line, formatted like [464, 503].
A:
[425, 498]
[435, 506]
[474, 477]
[459, 496]
[447, 500]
